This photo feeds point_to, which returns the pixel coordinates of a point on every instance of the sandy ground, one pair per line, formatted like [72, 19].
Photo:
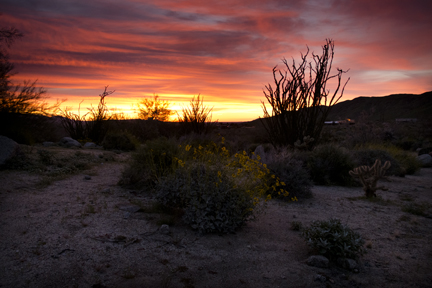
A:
[88, 233]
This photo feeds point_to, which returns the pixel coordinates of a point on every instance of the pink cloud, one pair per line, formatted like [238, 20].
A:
[223, 50]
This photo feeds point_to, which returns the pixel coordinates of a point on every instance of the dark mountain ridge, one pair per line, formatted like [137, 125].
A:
[386, 108]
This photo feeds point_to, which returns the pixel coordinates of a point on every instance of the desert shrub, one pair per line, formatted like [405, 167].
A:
[28, 129]
[45, 156]
[150, 162]
[296, 225]
[211, 200]
[297, 96]
[120, 141]
[50, 165]
[330, 165]
[296, 177]
[333, 240]
[367, 155]
[416, 209]
[409, 162]
[196, 118]
[217, 191]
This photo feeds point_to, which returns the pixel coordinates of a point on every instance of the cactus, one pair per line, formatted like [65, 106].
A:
[369, 177]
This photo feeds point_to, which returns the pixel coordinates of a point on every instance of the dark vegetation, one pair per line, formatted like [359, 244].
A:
[209, 172]
[300, 100]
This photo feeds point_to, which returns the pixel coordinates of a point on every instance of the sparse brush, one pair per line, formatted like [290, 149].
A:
[120, 141]
[367, 155]
[293, 173]
[333, 240]
[211, 201]
[217, 192]
[329, 164]
[150, 162]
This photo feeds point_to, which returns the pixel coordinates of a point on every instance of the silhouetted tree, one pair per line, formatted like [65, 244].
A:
[7, 37]
[21, 99]
[154, 109]
[300, 101]
[92, 125]
[20, 103]
[197, 117]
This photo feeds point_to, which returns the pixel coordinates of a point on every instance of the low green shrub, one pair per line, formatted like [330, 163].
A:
[296, 226]
[415, 209]
[211, 200]
[406, 160]
[155, 159]
[217, 192]
[295, 176]
[333, 240]
[119, 140]
[402, 162]
[330, 164]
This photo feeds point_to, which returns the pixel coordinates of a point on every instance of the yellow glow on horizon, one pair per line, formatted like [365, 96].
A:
[222, 111]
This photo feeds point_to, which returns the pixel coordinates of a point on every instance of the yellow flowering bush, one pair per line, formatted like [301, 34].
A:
[218, 192]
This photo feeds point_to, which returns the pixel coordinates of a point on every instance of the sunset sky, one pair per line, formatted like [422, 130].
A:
[223, 50]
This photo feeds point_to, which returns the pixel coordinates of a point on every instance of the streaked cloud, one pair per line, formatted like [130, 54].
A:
[223, 50]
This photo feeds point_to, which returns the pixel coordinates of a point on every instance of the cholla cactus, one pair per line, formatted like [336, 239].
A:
[369, 177]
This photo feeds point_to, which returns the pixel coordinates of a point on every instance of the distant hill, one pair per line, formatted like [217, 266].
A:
[386, 108]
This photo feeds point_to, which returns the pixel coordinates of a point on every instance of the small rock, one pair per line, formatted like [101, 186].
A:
[69, 142]
[126, 215]
[164, 229]
[106, 191]
[317, 261]
[129, 208]
[90, 145]
[346, 263]
[8, 149]
[425, 160]
[422, 151]
[87, 177]
[320, 278]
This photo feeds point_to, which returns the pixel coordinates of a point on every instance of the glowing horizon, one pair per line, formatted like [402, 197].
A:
[224, 51]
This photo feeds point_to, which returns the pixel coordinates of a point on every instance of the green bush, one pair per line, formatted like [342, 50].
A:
[295, 176]
[150, 162]
[119, 141]
[329, 165]
[333, 240]
[408, 162]
[210, 199]
[367, 156]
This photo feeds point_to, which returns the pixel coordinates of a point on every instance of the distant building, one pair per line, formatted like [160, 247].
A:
[340, 122]
[406, 120]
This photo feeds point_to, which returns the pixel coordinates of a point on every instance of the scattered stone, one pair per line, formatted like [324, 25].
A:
[422, 151]
[106, 191]
[8, 149]
[90, 145]
[129, 208]
[425, 160]
[69, 142]
[48, 144]
[317, 261]
[346, 263]
[87, 177]
[320, 278]
[164, 229]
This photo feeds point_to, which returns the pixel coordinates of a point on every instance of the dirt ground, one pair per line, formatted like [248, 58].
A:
[93, 233]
